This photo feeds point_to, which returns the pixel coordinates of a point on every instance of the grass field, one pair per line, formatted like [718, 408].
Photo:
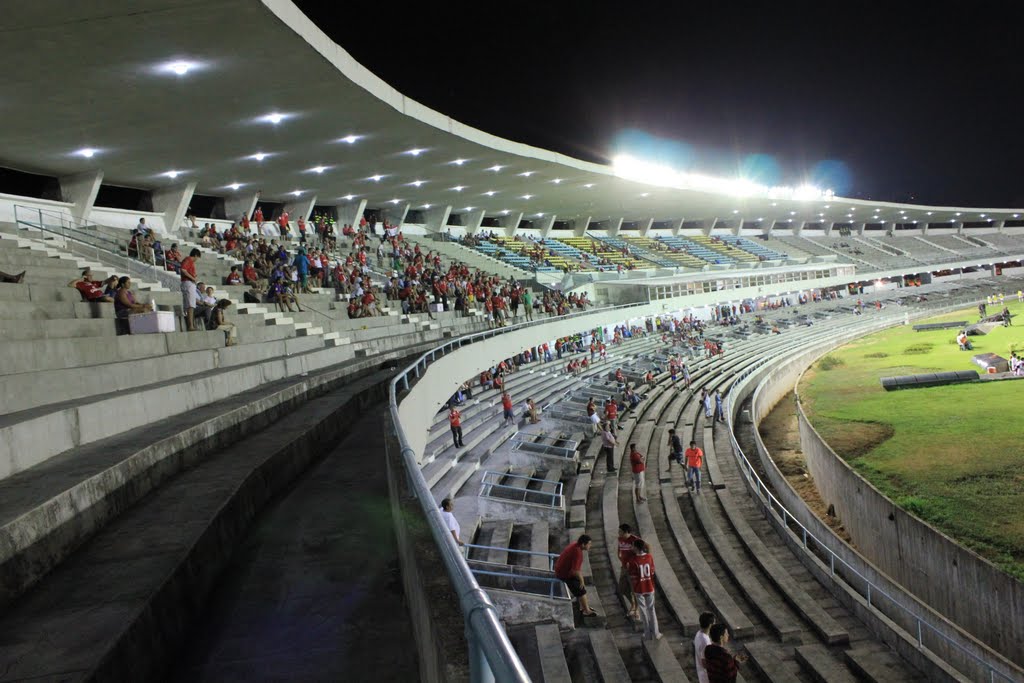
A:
[952, 455]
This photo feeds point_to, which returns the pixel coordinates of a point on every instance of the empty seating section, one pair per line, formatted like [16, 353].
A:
[960, 246]
[805, 246]
[1006, 243]
[621, 242]
[691, 246]
[603, 250]
[715, 243]
[760, 251]
[656, 252]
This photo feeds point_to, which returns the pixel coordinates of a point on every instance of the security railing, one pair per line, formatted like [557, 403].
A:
[544, 444]
[490, 487]
[847, 573]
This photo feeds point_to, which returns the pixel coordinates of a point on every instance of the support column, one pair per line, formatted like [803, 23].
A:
[645, 226]
[580, 226]
[925, 227]
[614, 225]
[959, 227]
[999, 225]
[859, 228]
[889, 227]
[708, 226]
[239, 204]
[349, 214]
[547, 223]
[738, 230]
[173, 202]
[437, 218]
[677, 227]
[828, 228]
[797, 227]
[473, 220]
[80, 190]
[398, 214]
[300, 207]
[767, 227]
[511, 222]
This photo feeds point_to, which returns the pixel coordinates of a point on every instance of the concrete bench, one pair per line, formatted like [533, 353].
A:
[817, 663]
[610, 666]
[765, 659]
[661, 658]
[552, 656]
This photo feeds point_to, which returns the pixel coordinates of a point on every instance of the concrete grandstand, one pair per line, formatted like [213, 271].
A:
[134, 467]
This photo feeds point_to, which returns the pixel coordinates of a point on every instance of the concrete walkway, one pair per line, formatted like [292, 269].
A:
[314, 592]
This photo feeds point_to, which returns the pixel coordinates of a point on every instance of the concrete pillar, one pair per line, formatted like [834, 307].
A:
[545, 224]
[797, 227]
[436, 218]
[859, 228]
[397, 213]
[738, 229]
[889, 227]
[511, 222]
[614, 225]
[828, 228]
[924, 228]
[301, 207]
[677, 227]
[708, 226]
[473, 219]
[349, 214]
[959, 227]
[238, 204]
[645, 226]
[80, 190]
[999, 225]
[767, 226]
[173, 202]
[580, 226]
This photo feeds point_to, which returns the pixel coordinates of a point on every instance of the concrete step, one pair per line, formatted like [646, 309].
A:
[302, 326]
[278, 319]
[309, 331]
[251, 309]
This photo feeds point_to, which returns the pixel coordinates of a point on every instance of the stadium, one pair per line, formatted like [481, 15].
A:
[324, 384]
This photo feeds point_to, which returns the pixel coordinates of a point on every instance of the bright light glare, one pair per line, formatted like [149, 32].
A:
[527, 196]
[87, 152]
[296, 193]
[426, 206]
[273, 117]
[631, 168]
[417, 183]
[496, 168]
[349, 197]
[394, 201]
[178, 67]
[468, 208]
[259, 156]
[459, 162]
[526, 174]
[416, 151]
[490, 193]
[172, 174]
[557, 181]
[318, 169]
[459, 188]
[350, 139]
[589, 185]
[376, 178]
[235, 186]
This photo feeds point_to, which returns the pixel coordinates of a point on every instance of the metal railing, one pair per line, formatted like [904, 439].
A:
[870, 590]
[551, 557]
[521, 494]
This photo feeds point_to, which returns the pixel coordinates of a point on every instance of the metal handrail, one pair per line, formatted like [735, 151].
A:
[551, 582]
[555, 497]
[551, 556]
[767, 498]
[491, 651]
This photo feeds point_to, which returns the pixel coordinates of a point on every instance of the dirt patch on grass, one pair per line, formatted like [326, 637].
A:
[781, 433]
[852, 439]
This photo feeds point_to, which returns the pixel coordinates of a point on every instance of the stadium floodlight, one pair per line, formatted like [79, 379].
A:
[557, 181]
[416, 151]
[589, 185]
[459, 162]
[87, 152]
[274, 117]
[178, 67]
[417, 183]
[296, 193]
[375, 178]
[349, 197]
[527, 196]
[468, 208]
[527, 174]
[235, 186]
[459, 188]
[490, 193]
[259, 156]
[426, 206]
[496, 168]
[172, 174]
[395, 201]
[318, 169]
[350, 139]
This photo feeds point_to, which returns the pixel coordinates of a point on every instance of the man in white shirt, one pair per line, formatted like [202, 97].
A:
[450, 521]
[701, 641]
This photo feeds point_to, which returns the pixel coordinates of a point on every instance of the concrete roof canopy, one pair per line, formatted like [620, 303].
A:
[155, 86]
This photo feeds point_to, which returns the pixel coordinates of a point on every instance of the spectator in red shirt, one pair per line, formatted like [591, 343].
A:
[641, 573]
[234, 277]
[721, 664]
[89, 288]
[506, 404]
[189, 294]
[638, 463]
[568, 568]
[694, 459]
[611, 414]
[455, 421]
[626, 538]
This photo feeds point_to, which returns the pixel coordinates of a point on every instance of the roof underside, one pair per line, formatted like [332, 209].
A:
[86, 75]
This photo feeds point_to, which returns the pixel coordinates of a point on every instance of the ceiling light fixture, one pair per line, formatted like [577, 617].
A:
[375, 178]
[496, 168]
[527, 174]
[417, 183]
[527, 196]
[235, 186]
[459, 162]
[87, 152]
[350, 139]
[416, 151]
[259, 156]
[459, 188]
[172, 174]
[318, 169]
[296, 193]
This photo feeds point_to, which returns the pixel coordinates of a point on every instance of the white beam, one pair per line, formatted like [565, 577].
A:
[511, 222]
[300, 208]
[859, 228]
[437, 218]
[349, 214]
[614, 225]
[473, 219]
[797, 227]
[677, 227]
[547, 223]
[828, 228]
[580, 226]
[890, 228]
[708, 226]
[80, 190]
[959, 227]
[739, 227]
[645, 226]
[239, 205]
[398, 214]
[767, 226]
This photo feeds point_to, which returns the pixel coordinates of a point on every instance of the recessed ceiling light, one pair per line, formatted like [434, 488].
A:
[957, 213]
[459, 188]
[426, 206]
[318, 169]
[273, 117]
[496, 168]
[557, 181]
[645, 194]
[468, 208]
[417, 183]
[527, 174]
[540, 215]
[589, 185]
[505, 211]
[416, 151]
[929, 213]
[296, 193]
[259, 156]
[983, 215]
[792, 213]
[172, 174]
[490, 193]
[350, 139]
[235, 186]
[527, 196]
[1016, 215]
[178, 67]
[349, 197]
[735, 210]
[459, 162]
[394, 201]
[87, 152]
[775, 203]
[827, 205]
[375, 178]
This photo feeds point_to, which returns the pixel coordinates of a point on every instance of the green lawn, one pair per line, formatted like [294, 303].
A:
[952, 455]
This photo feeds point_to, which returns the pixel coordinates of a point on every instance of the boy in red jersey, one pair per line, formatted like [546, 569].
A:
[641, 572]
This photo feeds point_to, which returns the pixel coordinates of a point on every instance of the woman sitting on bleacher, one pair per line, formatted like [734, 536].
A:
[124, 302]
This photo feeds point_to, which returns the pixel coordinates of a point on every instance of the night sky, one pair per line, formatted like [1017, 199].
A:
[919, 104]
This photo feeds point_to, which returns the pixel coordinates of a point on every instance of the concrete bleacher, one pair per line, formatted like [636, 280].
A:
[954, 244]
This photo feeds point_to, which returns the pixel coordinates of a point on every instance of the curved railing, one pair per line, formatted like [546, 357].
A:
[848, 574]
